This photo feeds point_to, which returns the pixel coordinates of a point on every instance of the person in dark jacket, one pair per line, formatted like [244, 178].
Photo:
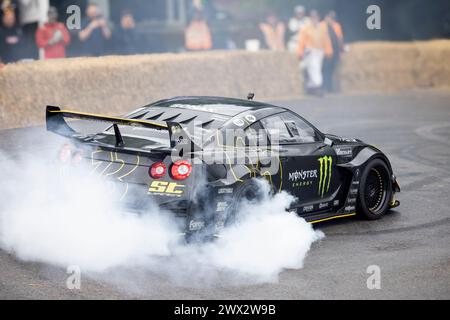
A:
[125, 38]
[95, 32]
[11, 37]
[331, 63]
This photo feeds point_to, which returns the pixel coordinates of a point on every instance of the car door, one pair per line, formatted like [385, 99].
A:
[308, 164]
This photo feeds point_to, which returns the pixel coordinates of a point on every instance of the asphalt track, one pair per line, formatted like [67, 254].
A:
[411, 245]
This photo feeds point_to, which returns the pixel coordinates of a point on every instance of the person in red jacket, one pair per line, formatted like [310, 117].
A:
[53, 37]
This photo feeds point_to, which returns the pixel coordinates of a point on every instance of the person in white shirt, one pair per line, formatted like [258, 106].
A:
[296, 23]
[32, 14]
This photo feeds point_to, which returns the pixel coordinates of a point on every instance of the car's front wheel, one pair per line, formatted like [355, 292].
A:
[375, 190]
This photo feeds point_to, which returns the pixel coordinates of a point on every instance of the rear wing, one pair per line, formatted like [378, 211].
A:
[56, 123]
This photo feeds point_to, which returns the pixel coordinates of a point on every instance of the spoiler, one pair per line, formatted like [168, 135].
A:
[56, 123]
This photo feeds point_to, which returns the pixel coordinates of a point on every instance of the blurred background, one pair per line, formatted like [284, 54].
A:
[154, 26]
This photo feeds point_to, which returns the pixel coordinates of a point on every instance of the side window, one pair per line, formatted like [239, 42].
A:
[255, 135]
[276, 128]
[299, 129]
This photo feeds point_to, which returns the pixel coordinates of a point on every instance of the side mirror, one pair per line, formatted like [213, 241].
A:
[328, 142]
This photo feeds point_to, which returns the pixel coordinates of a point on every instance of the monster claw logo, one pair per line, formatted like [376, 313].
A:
[325, 174]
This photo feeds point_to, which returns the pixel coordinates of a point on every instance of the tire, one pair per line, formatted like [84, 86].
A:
[375, 190]
[248, 191]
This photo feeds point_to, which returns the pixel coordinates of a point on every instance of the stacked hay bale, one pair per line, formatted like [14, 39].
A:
[393, 66]
[115, 85]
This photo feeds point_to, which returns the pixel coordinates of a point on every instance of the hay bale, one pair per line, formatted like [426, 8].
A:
[115, 85]
[394, 66]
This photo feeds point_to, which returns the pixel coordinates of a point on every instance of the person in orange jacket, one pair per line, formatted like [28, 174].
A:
[198, 36]
[313, 46]
[274, 33]
[336, 35]
[53, 37]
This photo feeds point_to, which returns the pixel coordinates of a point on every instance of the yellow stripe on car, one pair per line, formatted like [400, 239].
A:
[77, 113]
[335, 217]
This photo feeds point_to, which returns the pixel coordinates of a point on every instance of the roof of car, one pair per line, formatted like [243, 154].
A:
[222, 104]
[209, 111]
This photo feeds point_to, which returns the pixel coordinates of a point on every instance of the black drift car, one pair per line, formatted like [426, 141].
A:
[199, 157]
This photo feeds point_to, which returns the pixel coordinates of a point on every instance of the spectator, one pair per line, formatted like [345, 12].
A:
[53, 37]
[221, 34]
[11, 37]
[274, 32]
[207, 8]
[125, 36]
[31, 14]
[94, 32]
[198, 36]
[296, 24]
[336, 35]
[313, 45]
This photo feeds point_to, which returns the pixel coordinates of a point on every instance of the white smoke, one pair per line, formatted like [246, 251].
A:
[266, 240]
[78, 223]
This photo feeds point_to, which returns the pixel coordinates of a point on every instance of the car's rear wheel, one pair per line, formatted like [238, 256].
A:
[204, 207]
[375, 190]
[248, 191]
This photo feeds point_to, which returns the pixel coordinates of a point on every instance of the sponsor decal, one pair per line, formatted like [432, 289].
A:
[250, 118]
[354, 191]
[350, 208]
[302, 175]
[344, 152]
[302, 178]
[355, 183]
[326, 164]
[302, 184]
[219, 226]
[348, 140]
[357, 173]
[166, 188]
[221, 206]
[196, 225]
[336, 203]
[225, 191]
[308, 209]
[323, 205]
[239, 122]
[351, 201]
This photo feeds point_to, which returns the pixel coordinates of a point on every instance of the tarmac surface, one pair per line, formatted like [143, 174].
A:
[411, 245]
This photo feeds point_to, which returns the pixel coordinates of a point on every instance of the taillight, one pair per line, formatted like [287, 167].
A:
[70, 155]
[158, 170]
[65, 155]
[77, 157]
[181, 170]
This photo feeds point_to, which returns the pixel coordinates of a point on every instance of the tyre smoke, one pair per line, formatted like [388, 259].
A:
[76, 221]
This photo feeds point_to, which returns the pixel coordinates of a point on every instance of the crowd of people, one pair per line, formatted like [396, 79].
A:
[52, 39]
[318, 43]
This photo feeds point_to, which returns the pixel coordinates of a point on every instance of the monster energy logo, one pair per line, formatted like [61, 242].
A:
[325, 174]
